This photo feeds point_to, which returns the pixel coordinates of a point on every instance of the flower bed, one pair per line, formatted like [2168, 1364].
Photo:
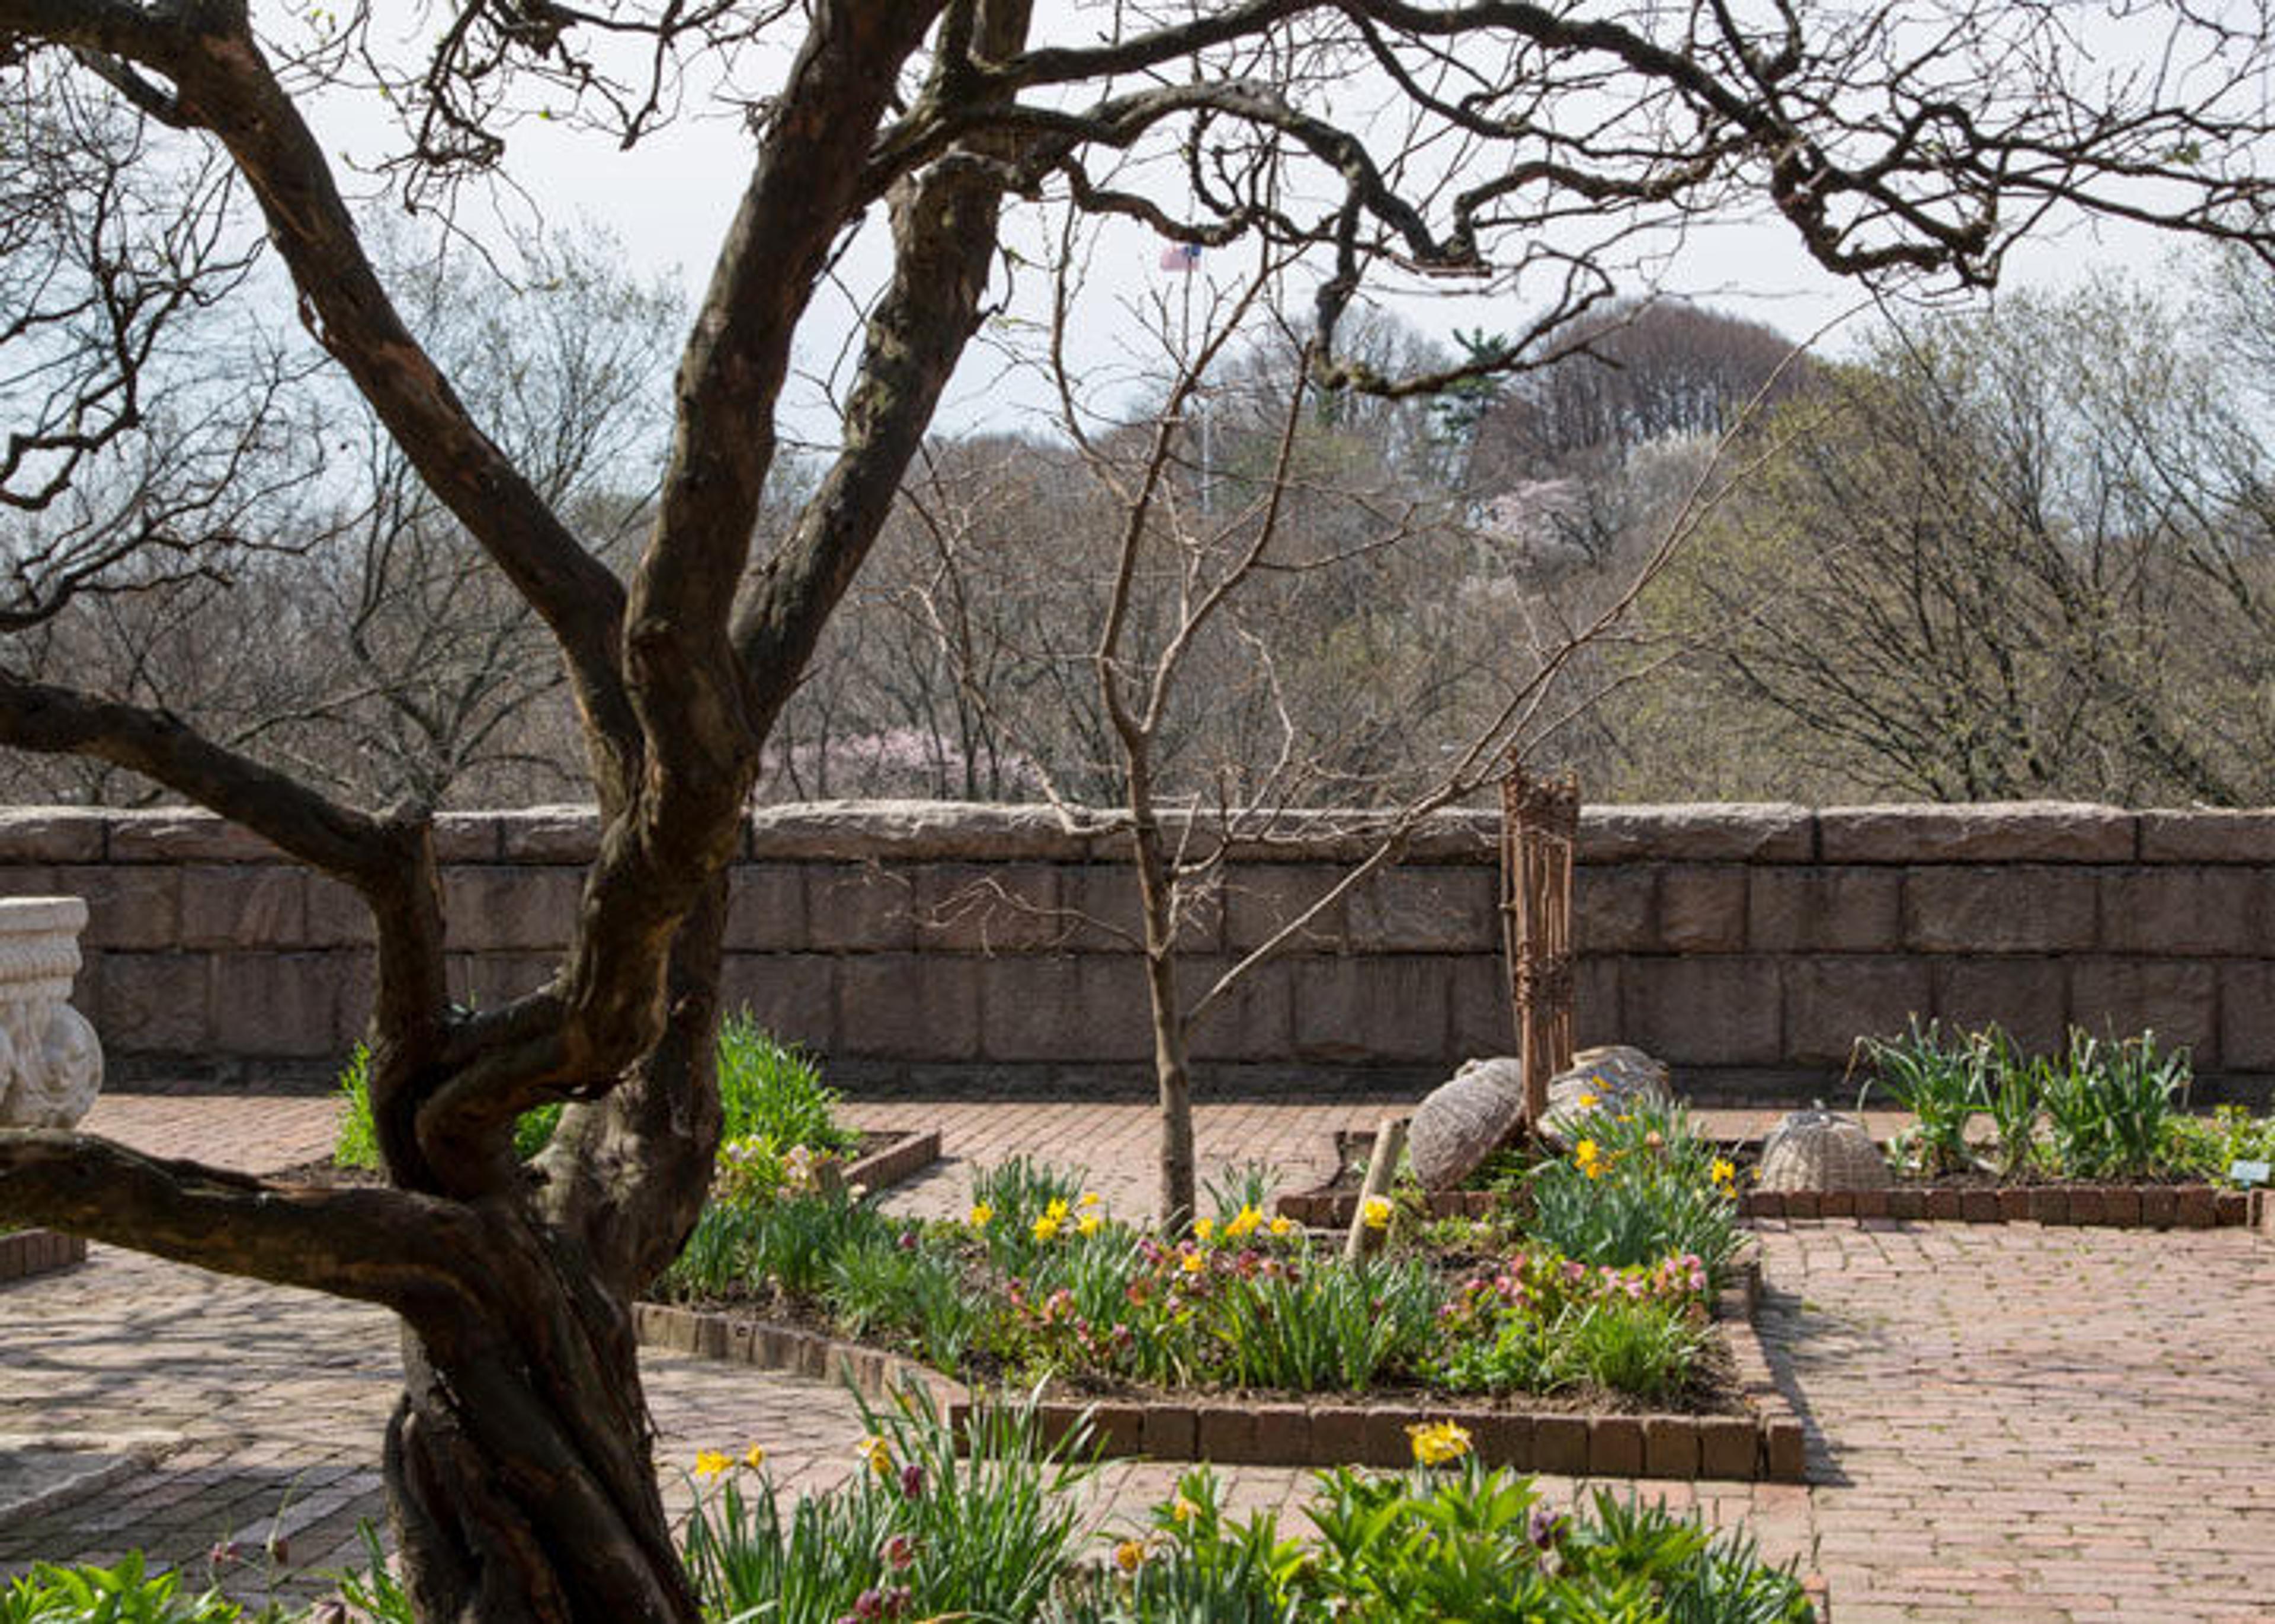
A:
[25, 1253]
[2096, 1135]
[1588, 1343]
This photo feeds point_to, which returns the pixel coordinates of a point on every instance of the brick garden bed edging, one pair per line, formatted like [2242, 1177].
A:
[908, 1155]
[2121, 1206]
[1766, 1446]
[27, 1252]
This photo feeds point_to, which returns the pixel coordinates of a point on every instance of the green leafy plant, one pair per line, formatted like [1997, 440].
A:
[125, 1592]
[1316, 1326]
[2108, 1102]
[774, 1089]
[1938, 1082]
[2008, 1087]
[2208, 1147]
[1639, 1186]
[920, 1530]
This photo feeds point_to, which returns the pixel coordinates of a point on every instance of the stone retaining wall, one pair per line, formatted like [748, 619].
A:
[1734, 939]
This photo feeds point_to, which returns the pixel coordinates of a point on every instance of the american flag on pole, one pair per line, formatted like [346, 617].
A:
[1181, 257]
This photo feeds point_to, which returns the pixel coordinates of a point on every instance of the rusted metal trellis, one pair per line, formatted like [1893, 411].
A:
[1539, 826]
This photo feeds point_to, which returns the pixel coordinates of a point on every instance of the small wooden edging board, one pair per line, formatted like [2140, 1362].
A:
[1768, 1446]
[25, 1253]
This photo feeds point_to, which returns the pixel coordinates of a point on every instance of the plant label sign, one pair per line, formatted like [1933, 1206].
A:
[2248, 1173]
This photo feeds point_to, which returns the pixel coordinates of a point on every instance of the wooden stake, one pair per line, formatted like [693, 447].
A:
[1381, 1167]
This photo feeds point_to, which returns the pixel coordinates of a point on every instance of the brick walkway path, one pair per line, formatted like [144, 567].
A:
[2006, 1423]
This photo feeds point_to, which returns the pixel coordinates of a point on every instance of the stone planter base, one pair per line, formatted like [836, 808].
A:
[1767, 1446]
[906, 1155]
[25, 1253]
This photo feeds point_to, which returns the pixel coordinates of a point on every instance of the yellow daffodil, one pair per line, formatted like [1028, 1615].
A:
[1376, 1214]
[1183, 1509]
[1193, 1262]
[1588, 1159]
[1723, 1173]
[1058, 1209]
[711, 1463]
[979, 1215]
[1089, 1223]
[755, 1457]
[1244, 1224]
[1588, 1102]
[877, 1453]
[1205, 1227]
[1283, 1227]
[1130, 1555]
[1047, 1227]
[1438, 1442]
[1090, 1199]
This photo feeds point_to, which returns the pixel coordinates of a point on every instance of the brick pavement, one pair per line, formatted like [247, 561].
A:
[2006, 1423]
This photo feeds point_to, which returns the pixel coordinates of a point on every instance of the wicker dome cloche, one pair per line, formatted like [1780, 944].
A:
[1819, 1149]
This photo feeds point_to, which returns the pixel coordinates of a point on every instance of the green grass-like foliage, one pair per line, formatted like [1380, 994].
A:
[767, 1088]
[2112, 1107]
[922, 1532]
[1639, 1187]
[125, 1592]
[1432, 1547]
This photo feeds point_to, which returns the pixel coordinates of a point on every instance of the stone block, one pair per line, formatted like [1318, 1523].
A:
[1831, 1002]
[1102, 911]
[859, 908]
[1729, 1446]
[334, 915]
[766, 907]
[172, 834]
[1484, 1010]
[1338, 1435]
[793, 995]
[1260, 899]
[276, 1005]
[1596, 1011]
[1560, 1446]
[990, 908]
[126, 907]
[491, 906]
[1389, 1011]
[910, 832]
[1615, 1444]
[356, 972]
[492, 981]
[1284, 1434]
[548, 834]
[1850, 910]
[1984, 832]
[1435, 909]
[2030, 908]
[156, 1003]
[243, 905]
[1670, 1447]
[1169, 1431]
[1502, 1438]
[2165, 911]
[2029, 997]
[51, 834]
[1702, 909]
[1615, 909]
[1056, 1007]
[1718, 1011]
[1255, 1021]
[909, 1006]
[468, 837]
[2176, 997]
[1787, 1448]
[2247, 1017]
[2208, 837]
[1225, 1433]
[1705, 833]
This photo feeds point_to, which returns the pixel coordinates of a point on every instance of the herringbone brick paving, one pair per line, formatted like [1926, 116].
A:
[2006, 1423]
